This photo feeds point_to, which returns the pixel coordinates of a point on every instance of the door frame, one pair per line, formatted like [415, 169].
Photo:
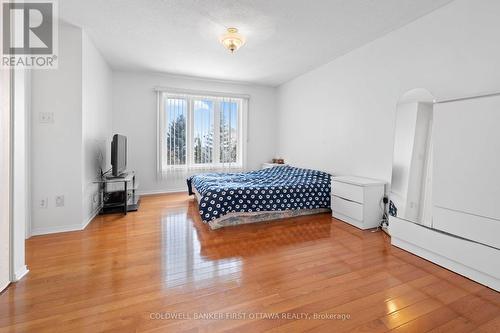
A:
[6, 77]
[11, 176]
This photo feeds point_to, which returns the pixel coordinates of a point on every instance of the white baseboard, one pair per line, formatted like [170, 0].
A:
[20, 273]
[472, 260]
[4, 285]
[175, 190]
[92, 217]
[55, 229]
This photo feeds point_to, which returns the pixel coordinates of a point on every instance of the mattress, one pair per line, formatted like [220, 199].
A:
[237, 198]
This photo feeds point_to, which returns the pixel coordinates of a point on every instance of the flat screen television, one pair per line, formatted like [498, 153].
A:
[118, 155]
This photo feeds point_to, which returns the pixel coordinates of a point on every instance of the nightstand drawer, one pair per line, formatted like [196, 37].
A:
[348, 208]
[348, 191]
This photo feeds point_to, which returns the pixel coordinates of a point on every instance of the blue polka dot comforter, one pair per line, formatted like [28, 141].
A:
[272, 189]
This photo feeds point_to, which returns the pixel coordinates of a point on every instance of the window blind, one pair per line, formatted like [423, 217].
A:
[199, 132]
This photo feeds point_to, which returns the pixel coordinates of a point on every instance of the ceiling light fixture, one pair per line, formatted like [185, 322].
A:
[232, 40]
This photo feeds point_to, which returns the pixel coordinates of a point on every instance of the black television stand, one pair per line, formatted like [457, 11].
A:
[118, 194]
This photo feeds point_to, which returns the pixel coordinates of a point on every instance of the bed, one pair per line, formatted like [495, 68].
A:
[228, 199]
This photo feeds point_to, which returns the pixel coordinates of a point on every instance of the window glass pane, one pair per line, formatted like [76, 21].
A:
[176, 110]
[203, 131]
[228, 132]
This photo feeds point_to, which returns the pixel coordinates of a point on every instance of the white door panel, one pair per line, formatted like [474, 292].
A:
[466, 156]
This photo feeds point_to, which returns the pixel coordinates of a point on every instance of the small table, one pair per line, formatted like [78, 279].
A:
[124, 184]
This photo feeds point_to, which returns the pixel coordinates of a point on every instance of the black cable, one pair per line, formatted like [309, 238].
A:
[385, 218]
[104, 173]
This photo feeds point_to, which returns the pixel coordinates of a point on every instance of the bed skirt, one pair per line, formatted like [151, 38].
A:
[233, 219]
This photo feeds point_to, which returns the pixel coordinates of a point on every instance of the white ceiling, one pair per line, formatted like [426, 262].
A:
[285, 38]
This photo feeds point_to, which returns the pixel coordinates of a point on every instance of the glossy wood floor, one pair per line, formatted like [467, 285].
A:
[123, 273]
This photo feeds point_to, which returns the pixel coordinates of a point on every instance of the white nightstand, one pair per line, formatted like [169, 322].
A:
[357, 200]
[272, 165]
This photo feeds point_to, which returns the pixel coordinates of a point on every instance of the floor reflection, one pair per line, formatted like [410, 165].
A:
[182, 256]
[193, 252]
[260, 238]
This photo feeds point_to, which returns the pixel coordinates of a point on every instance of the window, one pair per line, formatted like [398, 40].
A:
[200, 131]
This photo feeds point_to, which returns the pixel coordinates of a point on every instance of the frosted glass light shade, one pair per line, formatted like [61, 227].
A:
[232, 40]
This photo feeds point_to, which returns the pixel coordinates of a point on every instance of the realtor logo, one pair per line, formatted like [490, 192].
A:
[29, 34]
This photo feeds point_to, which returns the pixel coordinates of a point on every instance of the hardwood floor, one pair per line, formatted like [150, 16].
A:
[128, 274]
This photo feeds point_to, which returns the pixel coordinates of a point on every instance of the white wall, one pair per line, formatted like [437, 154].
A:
[66, 153]
[96, 122]
[134, 115]
[56, 148]
[340, 117]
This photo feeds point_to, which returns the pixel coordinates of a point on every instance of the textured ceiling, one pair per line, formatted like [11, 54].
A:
[285, 38]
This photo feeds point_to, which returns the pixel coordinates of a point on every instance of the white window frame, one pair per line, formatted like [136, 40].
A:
[191, 97]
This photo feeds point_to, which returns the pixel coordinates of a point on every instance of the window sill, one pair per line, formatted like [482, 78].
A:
[202, 167]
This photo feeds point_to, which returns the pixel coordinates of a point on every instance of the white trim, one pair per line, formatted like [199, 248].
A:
[208, 167]
[162, 94]
[5, 285]
[10, 172]
[155, 192]
[56, 229]
[91, 218]
[28, 118]
[6, 162]
[20, 273]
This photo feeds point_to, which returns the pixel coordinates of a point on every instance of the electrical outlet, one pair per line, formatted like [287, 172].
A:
[60, 201]
[46, 117]
[43, 203]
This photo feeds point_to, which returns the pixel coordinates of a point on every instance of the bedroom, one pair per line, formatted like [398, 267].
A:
[379, 214]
